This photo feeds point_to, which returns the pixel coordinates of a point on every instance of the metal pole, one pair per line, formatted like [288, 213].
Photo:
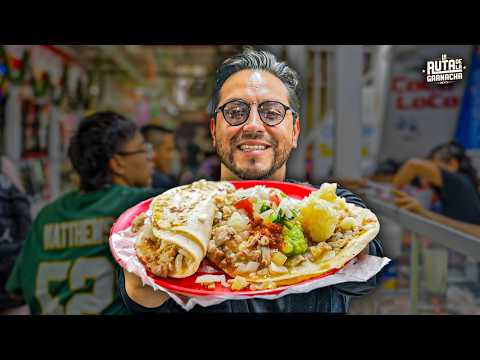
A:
[317, 83]
[348, 108]
[414, 273]
[13, 125]
[54, 156]
[297, 58]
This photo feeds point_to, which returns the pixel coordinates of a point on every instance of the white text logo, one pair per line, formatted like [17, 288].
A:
[444, 70]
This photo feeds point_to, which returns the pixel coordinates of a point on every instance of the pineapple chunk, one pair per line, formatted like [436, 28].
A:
[278, 258]
[318, 251]
[275, 269]
[319, 219]
[328, 192]
[329, 255]
[239, 283]
[341, 203]
[347, 223]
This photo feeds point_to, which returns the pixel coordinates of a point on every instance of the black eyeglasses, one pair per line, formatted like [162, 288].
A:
[148, 149]
[236, 112]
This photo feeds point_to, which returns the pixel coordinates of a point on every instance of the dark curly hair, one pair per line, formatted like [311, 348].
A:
[455, 150]
[97, 138]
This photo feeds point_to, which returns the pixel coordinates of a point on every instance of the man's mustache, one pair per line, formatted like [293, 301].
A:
[252, 136]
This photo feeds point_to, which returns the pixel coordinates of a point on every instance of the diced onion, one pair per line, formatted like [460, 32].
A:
[238, 221]
[179, 263]
[250, 267]
[329, 255]
[239, 283]
[279, 258]
[276, 269]
[210, 279]
[266, 214]
[347, 223]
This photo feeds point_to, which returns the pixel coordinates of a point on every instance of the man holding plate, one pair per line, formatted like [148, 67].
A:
[255, 124]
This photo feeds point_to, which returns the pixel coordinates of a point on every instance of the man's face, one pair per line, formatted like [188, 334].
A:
[272, 144]
[134, 163]
[164, 147]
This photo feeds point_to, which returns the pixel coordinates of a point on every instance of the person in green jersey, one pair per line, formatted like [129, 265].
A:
[65, 266]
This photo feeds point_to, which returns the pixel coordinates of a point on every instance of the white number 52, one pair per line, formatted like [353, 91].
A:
[99, 270]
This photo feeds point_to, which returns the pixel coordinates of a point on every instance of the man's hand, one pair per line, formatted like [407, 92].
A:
[407, 202]
[143, 295]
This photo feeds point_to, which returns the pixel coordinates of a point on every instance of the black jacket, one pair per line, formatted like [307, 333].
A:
[331, 299]
[15, 219]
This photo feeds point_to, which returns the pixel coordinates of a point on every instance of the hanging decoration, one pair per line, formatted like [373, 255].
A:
[20, 72]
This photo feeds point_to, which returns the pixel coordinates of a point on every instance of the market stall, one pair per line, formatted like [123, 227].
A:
[43, 93]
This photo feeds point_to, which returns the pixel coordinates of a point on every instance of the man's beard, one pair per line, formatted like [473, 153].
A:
[280, 157]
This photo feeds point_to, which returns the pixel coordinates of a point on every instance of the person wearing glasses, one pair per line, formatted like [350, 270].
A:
[255, 124]
[65, 265]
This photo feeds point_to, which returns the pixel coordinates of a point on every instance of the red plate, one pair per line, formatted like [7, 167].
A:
[187, 286]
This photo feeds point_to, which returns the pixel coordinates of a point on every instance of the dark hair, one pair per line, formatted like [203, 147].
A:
[251, 59]
[147, 128]
[455, 150]
[97, 138]
[388, 167]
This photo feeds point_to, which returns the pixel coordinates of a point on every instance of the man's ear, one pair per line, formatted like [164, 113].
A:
[116, 166]
[213, 131]
[296, 132]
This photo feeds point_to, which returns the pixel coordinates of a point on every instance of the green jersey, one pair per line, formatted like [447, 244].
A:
[65, 266]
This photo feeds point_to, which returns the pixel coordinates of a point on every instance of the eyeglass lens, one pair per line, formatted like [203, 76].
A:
[237, 112]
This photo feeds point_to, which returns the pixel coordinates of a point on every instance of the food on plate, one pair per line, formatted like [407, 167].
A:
[209, 281]
[262, 237]
[173, 235]
[258, 236]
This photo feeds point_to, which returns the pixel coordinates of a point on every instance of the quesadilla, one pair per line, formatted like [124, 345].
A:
[173, 235]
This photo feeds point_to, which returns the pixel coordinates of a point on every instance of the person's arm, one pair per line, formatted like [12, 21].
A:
[413, 168]
[407, 202]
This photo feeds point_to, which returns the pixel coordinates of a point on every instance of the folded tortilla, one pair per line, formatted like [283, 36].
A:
[184, 216]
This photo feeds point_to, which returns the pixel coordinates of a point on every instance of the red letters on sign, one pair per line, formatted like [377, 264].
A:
[437, 98]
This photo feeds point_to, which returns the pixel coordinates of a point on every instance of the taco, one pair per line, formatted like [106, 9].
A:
[264, 238]
[172, 237]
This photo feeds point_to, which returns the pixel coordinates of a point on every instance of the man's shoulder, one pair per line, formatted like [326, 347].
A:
[162, 180]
